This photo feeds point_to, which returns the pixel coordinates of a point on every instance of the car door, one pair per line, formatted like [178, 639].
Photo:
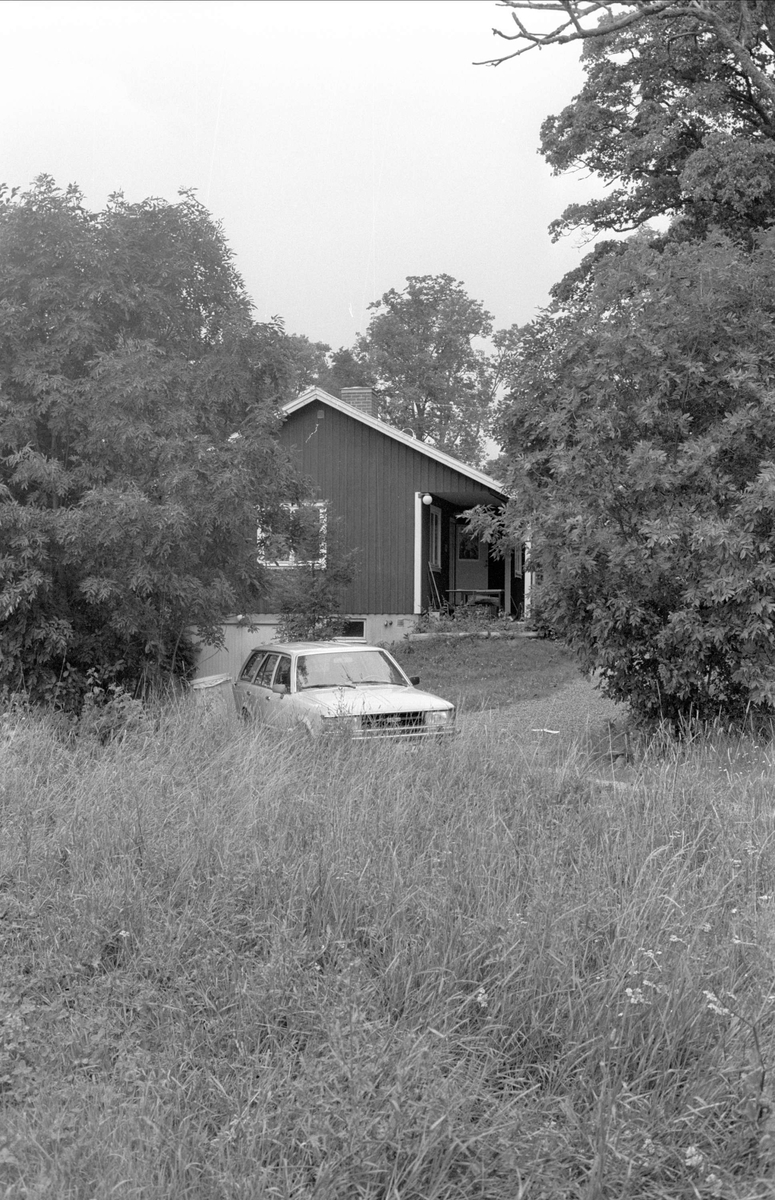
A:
[276, 708]
[243, 689]
[261, 694]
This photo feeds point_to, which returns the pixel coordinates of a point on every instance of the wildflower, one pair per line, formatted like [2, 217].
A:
[650, 956]
[635, 996]
[693, 1157]
[482, 998]
[715, 1005]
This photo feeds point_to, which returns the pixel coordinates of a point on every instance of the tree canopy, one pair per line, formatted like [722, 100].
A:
[316, 364]
[430, 376]
[138, 414]
[676, 115]
[640, 424]
[640, 431]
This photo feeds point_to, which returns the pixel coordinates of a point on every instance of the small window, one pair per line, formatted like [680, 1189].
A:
[353, 628]
[282, 675]
[302, 542]
[264, 676]
[249, 669]
[468, 547]
[434, 544]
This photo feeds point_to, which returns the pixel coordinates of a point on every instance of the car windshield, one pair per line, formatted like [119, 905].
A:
[347, 668]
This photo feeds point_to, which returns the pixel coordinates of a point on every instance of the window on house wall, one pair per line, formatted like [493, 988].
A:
[302, 542]
[354, 627]
[434, 541]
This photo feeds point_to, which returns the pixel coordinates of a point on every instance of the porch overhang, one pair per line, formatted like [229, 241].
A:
[472, 498]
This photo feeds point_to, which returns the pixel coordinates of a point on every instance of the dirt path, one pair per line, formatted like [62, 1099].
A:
[576, 713]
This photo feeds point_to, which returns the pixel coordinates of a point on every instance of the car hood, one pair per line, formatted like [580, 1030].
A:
[390, 698]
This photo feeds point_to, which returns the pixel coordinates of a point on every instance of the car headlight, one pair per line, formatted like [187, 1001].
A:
[440, 716]
[350, 723]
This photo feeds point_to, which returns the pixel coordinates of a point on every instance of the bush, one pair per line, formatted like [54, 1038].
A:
[309, 597]
[642, 434]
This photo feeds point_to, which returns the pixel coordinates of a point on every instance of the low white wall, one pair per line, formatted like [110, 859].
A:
[239, 640]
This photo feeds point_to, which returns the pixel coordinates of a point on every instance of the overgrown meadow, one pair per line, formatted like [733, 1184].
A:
[237, 966]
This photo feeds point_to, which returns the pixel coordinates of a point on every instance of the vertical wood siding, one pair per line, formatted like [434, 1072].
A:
[369, 481]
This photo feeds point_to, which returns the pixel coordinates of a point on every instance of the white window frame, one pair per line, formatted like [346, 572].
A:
[434, 538]
[354, 637]
[293, 561]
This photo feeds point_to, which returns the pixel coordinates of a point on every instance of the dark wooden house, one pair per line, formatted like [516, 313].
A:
[399, 503]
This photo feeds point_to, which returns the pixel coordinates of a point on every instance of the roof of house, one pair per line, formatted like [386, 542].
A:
[317, 394]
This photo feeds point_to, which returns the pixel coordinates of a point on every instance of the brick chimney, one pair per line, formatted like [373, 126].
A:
[362, 398]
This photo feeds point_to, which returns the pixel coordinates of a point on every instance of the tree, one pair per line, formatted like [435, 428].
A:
[316, 364]
[641, 433]
[677, 114]
[641, 422]
[431, 379]
[138, 414]
[345, 368]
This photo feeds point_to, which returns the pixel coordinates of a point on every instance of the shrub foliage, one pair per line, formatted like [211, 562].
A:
[640, 420]
[641, 428]
[137, 438]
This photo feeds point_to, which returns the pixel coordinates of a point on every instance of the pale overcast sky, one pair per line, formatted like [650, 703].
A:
[344, 144]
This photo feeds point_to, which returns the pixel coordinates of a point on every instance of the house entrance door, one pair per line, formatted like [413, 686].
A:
[470, 563]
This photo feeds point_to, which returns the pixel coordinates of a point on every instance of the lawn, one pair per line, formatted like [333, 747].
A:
[242, 967]
[478, 672]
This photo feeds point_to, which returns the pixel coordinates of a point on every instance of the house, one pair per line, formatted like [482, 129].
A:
[399, 502]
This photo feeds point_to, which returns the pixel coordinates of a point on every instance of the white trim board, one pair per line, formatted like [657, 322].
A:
[418, 506]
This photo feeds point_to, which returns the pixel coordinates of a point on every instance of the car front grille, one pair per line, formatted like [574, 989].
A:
[397, 724]
[400, 722]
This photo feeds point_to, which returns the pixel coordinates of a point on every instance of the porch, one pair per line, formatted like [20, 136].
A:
[454, 569]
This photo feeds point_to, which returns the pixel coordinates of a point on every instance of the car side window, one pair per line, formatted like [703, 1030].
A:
[264, 675]
[283, 673]
[249, 669]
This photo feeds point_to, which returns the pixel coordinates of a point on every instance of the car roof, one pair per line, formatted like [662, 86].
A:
[313, 647]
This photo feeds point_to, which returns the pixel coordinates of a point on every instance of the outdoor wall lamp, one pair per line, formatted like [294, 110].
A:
[427, 498]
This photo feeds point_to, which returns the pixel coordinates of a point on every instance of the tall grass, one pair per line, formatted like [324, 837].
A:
[240, 966]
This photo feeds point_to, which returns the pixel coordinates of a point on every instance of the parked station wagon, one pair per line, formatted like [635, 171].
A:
[324, 686]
